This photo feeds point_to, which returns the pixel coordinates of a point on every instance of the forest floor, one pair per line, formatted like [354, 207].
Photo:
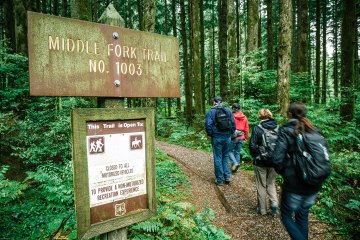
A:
[234, 204]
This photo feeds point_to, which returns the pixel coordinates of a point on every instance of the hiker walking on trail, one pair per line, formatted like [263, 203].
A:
[219, 125]
[262, 143]
[239, 137]
[298, 195]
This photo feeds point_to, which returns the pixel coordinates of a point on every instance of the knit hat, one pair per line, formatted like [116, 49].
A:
[217, 99]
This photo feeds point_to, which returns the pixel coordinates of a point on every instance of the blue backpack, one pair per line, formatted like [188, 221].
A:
[311, 158]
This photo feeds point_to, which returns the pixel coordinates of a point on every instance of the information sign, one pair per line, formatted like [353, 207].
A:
[70, 57]
[113, 168]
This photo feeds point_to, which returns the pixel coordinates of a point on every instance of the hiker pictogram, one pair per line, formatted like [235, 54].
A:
[97, 145]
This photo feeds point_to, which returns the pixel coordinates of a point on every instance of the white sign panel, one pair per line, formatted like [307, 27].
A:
[116, 166]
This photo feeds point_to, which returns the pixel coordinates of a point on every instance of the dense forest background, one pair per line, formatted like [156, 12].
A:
[259, 53]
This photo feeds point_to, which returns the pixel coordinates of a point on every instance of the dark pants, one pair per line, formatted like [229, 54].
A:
[295, 214]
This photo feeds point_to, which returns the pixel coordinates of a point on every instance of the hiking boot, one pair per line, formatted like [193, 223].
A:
[235, 167]
[274, 210]
[227, 182]
[219, 184]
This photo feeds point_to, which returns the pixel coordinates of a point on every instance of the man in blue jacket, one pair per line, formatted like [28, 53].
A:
[220, 128]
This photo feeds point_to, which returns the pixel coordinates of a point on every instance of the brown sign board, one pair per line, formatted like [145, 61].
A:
[69, 57]
[114, 168]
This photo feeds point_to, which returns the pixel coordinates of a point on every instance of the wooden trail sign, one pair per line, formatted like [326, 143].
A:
[114, 168]
[69, 57]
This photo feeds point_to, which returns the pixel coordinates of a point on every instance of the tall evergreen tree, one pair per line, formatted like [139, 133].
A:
[223, 47]
[335, 55]
[303, 32]
[317, 55]
[173, 21]
[187, 84]
[81, 9]
[294, 45]
[64, 8]
[324, 82]
[232, 47]
[202, 53]
[269, 31]
[284, 50]
[9, 23]
[149, 26]
[252, 25]
[195, 39]
[20, 8]
[348, 31]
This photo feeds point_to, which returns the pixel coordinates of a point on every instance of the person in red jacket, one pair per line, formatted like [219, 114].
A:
[239, 137]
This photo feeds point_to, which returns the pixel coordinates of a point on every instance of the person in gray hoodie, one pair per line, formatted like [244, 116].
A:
[263, 166]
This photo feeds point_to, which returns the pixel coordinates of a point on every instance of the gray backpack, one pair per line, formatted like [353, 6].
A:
[268, 142]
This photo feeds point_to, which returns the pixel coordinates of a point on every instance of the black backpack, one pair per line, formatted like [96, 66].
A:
[222, 120]
[268, 142]
[311, 158]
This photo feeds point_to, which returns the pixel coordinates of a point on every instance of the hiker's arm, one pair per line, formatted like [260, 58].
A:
[254, 140]
[280, 151]
[209, 124]
[246, 129]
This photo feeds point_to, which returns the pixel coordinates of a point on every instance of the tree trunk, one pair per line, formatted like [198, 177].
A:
[237, 5]
[64, 8]
[140, 11]
[284, 44]
[56, 8]
[303, 31]
[188, 97]
[202, 54]
[294, 45]
[252, 25]
[149, 26]
[232, 48]
[20, 9]
[336, 67]
[317, 57]
[166, 29]
[212, 56]
[195, 39]
[173, 10]
[9, 23]
[43, 6]
[130, 13]
[212, 72]
[223, 71]
[81, 9]
[269, 35]
[348, 31]
[323, 86]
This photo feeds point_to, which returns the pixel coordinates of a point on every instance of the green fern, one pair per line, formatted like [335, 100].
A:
[148, 226]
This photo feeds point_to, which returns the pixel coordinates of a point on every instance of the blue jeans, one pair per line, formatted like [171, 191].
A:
[221, 149]
[295, 214]
[235, 149]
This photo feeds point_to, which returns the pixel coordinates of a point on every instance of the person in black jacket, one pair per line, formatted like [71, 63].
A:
[263, 167]
[297, 197]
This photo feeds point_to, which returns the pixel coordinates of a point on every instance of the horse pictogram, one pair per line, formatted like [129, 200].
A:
[136, 142]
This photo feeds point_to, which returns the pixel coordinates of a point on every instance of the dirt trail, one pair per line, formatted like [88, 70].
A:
[235, 203]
